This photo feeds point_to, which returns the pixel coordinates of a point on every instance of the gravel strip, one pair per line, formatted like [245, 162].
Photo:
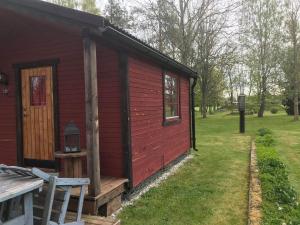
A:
[255, 197]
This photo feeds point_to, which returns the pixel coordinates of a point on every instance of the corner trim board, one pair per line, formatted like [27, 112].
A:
[126, 116]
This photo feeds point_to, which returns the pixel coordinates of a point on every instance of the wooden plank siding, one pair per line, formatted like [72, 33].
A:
[45, 41]
[110, 112]
[154, 145]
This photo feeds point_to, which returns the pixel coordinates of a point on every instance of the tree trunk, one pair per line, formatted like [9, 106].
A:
[263, 94]
[296, 107]
[203, 105]
[262, 105]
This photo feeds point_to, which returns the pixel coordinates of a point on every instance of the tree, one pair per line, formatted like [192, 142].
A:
[158, 22]
[212, 49]
[74, 4]
[117, 14]
[292, 72]
[228, 69]
[84, 5]
[216, 90]
[261, 37]
[90, 6]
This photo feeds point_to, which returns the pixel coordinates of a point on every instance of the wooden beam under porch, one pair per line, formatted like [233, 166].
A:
[107, 202]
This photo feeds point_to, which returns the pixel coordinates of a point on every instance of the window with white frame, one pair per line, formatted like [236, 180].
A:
[171, 97]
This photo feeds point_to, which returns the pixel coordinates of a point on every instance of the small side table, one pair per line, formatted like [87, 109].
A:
[72, 163]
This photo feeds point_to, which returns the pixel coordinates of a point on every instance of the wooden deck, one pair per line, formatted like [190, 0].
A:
[94, 220]
[105, 203]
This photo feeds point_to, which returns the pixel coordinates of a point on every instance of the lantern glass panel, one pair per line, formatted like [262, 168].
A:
[242, 102]
[72, 143]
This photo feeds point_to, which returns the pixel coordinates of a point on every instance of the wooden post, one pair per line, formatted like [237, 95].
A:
[91, 108]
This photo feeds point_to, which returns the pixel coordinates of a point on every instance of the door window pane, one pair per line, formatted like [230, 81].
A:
[38, 90]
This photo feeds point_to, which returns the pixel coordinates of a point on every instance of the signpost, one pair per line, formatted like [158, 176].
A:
[242, 108]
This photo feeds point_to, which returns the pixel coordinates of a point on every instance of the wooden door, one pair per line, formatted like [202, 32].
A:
[37, 109]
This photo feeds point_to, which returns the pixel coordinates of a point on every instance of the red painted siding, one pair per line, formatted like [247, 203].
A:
[112, 160]
[43, 41]
[154, 145]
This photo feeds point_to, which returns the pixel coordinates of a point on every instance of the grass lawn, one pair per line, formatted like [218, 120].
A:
[211, 189]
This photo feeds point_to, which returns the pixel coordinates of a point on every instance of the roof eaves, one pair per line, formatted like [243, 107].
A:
[134, 42]
[76, 16]
[100, 26]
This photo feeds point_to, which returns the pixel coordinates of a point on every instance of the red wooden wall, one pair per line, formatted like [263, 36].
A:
[112, 157]
[154, 145]
[30, 41]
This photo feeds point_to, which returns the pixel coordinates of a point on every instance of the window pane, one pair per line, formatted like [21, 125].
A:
[168, 112]
[171, 96]
[38, 90]
[173, 110]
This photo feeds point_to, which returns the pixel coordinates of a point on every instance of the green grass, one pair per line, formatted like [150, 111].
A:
[212, 189]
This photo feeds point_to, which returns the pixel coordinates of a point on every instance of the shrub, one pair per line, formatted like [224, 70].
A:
[266, 140]
[274, 110]
[263, 131]
[280, 200]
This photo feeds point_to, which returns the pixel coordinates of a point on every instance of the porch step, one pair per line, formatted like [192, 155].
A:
[93, 220]
[105, 203]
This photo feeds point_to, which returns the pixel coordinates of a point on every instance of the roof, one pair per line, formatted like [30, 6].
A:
[98, 25]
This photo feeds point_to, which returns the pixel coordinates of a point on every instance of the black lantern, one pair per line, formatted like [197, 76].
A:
[3, 79]
[242, 108]
[242, 102]
[72, 138]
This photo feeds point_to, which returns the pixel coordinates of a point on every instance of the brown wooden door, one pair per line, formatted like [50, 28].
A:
[38, 120]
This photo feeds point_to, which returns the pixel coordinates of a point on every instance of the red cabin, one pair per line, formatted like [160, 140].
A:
[131, 103]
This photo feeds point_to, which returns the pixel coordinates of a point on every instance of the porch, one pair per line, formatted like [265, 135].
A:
[104, 204]
[107, 202]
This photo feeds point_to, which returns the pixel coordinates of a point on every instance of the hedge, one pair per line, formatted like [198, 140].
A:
[279, 199]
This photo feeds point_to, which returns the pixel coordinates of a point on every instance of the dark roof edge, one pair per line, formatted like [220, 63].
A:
[101, 27]
[59, 11]
[133, 42]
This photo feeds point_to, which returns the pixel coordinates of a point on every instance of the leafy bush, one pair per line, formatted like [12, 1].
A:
[280, 200]
[263, 131]
[266, 140]
[274, 110]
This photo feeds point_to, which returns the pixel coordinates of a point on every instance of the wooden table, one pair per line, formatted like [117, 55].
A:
[72, 163]
[12, 189]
